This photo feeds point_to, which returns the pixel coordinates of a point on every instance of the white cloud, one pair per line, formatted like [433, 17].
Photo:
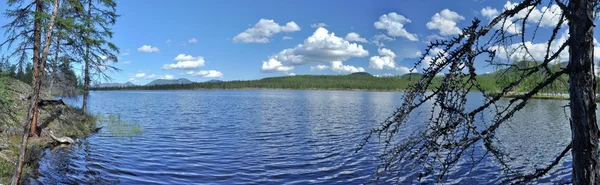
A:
[403, 70]
[148, 49]
[339, 67]
[168, 42]
[322, 46]
[263, 30]
[385, 61]
[153, 76]
[126, 62]
[132, 79]
[186, 62]
[127, 52]
[544, 16]
[445, 22]
[287, 38]
[385, 75]
[355, 37]
[381, 37]
[207, 74]
[168, 77]
[393, 23]
[193, 40]
[538, 50]
[428, 60]
[292, 74]
[318, 68]
[489, 12]
[140, 75]
[275, 66]
[317, 25]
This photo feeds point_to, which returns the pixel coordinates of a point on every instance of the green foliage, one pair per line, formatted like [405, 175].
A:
[511, 74]
[6, 171]
[5, 93]
[326, 82]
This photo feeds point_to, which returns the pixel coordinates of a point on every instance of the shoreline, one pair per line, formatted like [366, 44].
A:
[540, 96]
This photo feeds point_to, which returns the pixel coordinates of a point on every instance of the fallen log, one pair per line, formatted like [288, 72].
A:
[62, 140]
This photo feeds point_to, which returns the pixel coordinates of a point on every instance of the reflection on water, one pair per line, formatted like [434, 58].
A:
[277, 137]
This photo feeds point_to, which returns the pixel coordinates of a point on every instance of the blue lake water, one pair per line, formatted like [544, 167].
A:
[275, 137]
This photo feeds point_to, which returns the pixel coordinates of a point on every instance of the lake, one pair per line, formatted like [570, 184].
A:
[276, 137]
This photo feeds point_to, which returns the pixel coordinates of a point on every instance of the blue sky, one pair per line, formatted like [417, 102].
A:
[242, 40]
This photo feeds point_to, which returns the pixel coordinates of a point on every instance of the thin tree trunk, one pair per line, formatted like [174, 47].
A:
[584, 129]
[86, 79]
[38, 66]
[55, 62]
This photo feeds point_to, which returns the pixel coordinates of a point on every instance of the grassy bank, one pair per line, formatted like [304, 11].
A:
[63, 120]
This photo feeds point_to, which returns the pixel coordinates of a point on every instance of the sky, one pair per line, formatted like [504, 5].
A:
[244, 40]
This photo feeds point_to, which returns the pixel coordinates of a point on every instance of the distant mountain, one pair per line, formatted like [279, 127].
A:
[361, 74]
[168, 82]
[214, 81]
[413, 75]
[127, 84]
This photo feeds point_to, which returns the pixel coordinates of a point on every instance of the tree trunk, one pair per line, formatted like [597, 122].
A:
[584, 129]
[86, 79]
[37, 44]
[30, 126]
[55, 62]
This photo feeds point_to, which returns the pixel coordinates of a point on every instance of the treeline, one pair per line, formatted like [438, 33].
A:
[331, 82]
[62, 81]
[301, 82]
[490, 82]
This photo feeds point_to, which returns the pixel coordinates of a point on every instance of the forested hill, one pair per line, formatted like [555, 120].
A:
[357, 81]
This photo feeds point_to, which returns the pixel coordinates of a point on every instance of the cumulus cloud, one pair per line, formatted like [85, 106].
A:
[206, 74]
[538, 50]
[339, 67]
[489, 12]
[292, 74]
[445, 21]
[318, 68]
[186, 62]
[148, 49]
[355, 37]
[385, 61]
[544, 16]
[377, 39]
[317, 25]
[322, 46]
[140, 75]
[193, 40]
[167, 77]
[263, 30]
[394, 23]
[275, 66]
[403, 70]
[287, 38]
[428, 60]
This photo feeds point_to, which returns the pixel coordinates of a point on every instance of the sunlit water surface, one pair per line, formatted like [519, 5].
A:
[277, 137]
